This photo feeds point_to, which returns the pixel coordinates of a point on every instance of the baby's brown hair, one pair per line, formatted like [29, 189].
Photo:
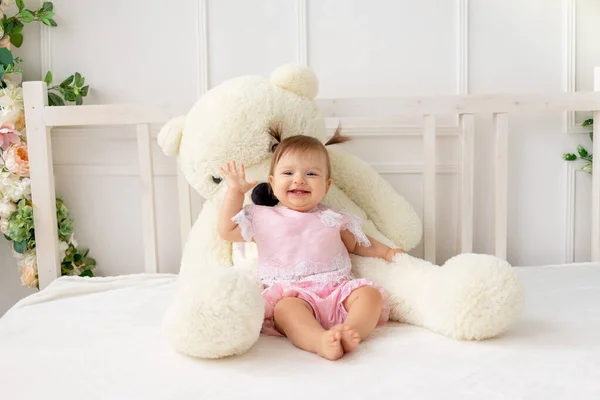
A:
[304, 143]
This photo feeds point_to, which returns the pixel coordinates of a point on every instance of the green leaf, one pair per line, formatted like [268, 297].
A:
[9, 26]
[55, 100]
[569, 157]
[592, 136]
[6, 57]
[69, 95]
[47, 6]
[588, 122]
[68, 266]
[26, 16]
[84, 90]
[87, 272]
[52, 22]
[67, 81]
[45, 15]
[20, 246]
[20, 4]
[582, 152]
[79, 80]
[78, 100]
[48, 78]
[18, 27]
[16, 39]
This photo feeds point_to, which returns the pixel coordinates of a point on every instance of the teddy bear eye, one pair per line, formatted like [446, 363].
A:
[216, 179]
[274, 147]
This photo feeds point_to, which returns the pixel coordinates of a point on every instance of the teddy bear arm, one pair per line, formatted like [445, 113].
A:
[392, 215]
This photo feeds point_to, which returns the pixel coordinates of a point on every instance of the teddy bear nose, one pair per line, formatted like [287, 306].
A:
[263, 196]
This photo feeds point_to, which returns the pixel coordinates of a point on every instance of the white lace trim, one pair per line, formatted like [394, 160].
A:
[274, 271]
[331, 218]
[244, 221]
[355, 226]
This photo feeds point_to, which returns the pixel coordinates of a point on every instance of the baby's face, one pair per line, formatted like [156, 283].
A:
[299, 180]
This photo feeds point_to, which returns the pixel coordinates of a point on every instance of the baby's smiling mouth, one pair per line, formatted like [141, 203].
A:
[298, 191]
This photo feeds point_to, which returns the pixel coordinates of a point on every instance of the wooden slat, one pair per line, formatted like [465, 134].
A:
[112, 114]
[467, 167]
[429, 188]
[41, 173]
[458, 104]
[148, 199]
[501, 192]
[185, 207]
[117, 114]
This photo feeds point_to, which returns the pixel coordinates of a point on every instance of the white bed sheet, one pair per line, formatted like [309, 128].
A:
[100, 339]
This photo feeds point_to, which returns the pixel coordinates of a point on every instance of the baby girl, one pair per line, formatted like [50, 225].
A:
[303, 252]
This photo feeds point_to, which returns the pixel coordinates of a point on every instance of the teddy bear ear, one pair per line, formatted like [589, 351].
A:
[296, 78]
[169, 137]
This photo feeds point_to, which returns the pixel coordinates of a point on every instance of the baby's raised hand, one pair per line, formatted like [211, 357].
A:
[236, 179]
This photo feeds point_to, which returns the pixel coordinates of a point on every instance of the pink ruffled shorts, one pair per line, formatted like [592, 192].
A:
[327, 302]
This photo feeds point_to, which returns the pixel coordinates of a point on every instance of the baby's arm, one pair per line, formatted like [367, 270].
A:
[377, 249]
[233, 202]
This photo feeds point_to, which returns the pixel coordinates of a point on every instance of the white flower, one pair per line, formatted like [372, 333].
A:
[11, 100]
[5, 4]
[73, 241]
[6, 207]
[4, 226]
[14, 188]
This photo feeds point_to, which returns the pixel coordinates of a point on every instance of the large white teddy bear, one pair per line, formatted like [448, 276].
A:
[217, 310]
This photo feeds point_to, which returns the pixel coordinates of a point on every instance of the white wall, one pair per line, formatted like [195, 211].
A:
[357, 48]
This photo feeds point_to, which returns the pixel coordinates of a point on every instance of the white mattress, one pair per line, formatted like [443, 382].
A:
[100, 339]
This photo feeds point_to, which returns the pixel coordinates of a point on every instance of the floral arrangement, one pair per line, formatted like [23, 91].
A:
[16, 211]
[582, 153]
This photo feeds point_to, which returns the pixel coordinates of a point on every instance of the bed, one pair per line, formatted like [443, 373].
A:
[109, 346]
[101, 337]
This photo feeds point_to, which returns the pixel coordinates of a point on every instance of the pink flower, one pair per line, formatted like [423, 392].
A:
[8, 136]
[16, 160]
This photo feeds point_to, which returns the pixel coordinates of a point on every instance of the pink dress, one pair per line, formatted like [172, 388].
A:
[301, 254]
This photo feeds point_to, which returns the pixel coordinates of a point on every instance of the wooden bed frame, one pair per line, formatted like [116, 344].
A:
[40, 118]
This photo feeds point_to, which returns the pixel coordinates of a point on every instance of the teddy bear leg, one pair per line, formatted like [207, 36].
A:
[215, 313]
[472, 297]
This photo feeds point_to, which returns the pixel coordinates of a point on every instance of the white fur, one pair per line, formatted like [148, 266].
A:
[217, 310]
[169, 137]
[297, 79]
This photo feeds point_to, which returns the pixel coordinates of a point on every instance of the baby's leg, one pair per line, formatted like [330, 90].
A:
[364, 307]
[294, 317]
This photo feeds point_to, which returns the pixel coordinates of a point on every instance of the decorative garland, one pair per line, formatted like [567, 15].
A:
[582, 153]
[16, 212]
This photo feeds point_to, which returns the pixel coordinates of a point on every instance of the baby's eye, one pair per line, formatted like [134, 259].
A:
[287, 173]
[313, 174]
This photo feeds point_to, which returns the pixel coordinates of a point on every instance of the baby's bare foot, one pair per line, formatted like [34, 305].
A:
[331, 346]
[350, 338]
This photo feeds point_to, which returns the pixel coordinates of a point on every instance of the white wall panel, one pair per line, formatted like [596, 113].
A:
[383, 47]
[129, 51]
[250, 37]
